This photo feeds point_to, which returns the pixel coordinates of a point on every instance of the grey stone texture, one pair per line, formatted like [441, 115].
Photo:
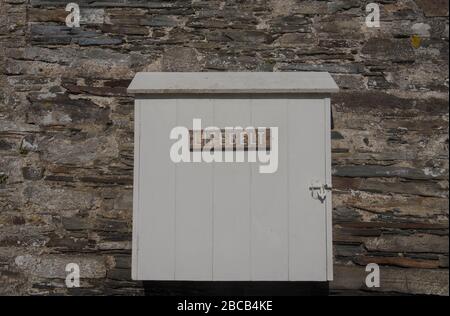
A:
[66, 128]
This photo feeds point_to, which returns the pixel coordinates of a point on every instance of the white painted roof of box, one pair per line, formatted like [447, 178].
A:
[232, 82]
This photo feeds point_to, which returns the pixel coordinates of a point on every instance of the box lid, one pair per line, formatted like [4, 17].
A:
[232, 82]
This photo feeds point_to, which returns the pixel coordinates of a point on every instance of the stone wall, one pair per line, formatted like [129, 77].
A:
[66, 128]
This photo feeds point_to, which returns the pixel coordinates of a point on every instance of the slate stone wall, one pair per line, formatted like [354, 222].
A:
[66, 128]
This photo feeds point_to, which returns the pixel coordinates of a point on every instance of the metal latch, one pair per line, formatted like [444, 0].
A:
[319, 190]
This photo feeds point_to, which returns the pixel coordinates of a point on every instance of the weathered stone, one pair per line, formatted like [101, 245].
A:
[332, 68]
[393, 207]
[98, 41]
[343, 250]
[58, 199]
[64, 109]
[53, 266]
[292, 23]
[443, 261]
[124, 29]
[160, 21]
[181, 59]
[409, 281]
[294, 40]
[433, 8]
[120, 274]
[4, 145]
[345, 214]
[107, 180]
[123, 201]
[10, 169]
[432, 189]
[310, 8]
[109, 225]
[389, 171]
[335, 135]
[12, 283]
[384, 104]
[30, 173]
[349, 81]
[415, 243]
[100, 91]
[28, 144]
[57, 178]
[68, 244]
[343, 5]
[84, 152]
[63, 35]
[342, 26]
[17, 236]
[115, 245]
[400, 50]
[47, 15]
[3, 178]
[239, 36]
[122, 262]
[75, 223]
[399, 262]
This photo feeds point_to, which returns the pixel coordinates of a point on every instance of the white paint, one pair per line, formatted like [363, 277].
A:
[193, 219]
[269, 231]
[231, 202]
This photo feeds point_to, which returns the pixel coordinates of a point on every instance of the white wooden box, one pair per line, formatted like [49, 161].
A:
[227, 221]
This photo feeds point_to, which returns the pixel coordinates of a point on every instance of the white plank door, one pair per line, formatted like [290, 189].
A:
[194, 203]
[228, 221]
[155, 216]
[232, 220]
[307, 164]
[269, 198]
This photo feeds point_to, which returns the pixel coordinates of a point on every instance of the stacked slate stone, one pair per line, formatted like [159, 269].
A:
[66, 128]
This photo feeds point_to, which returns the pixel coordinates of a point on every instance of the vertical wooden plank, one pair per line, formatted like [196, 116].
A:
[307, 216]
[329, 199]
[269, 199]
[231, 258]
[136, 186]
[194, 201]
[156, 257]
